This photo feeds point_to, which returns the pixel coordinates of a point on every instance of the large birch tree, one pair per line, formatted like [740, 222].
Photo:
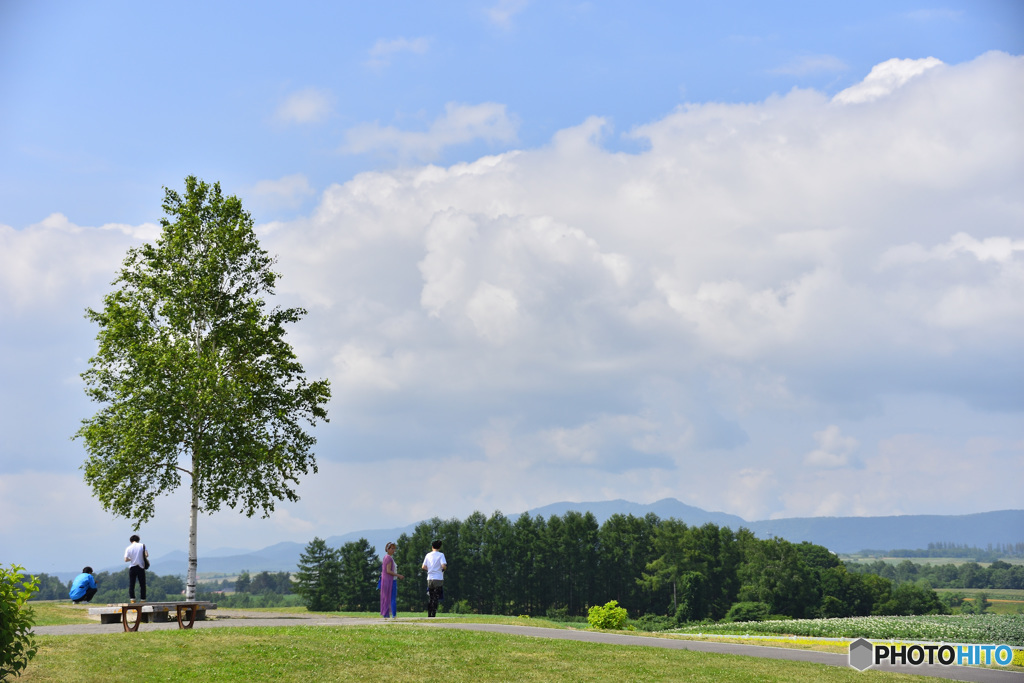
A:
[194, 374]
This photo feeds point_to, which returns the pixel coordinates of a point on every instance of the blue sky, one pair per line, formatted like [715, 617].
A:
[764, 259]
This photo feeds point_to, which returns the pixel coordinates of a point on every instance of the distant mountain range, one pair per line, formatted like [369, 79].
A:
[838, 534]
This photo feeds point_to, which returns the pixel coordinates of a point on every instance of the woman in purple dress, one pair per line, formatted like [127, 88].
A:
[389, 577]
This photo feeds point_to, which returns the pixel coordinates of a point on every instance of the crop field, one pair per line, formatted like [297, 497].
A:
[997, 593]
[966, 628]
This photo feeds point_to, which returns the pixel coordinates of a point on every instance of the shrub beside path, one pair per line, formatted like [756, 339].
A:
[231, 618]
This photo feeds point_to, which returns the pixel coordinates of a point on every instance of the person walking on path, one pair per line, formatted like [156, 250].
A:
[389, 577]
[83, 587]
[137, 554]
[435, 565]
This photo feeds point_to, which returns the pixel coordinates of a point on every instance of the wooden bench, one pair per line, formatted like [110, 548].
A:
[186, 613]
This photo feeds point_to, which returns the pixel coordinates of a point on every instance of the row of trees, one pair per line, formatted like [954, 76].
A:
[563, 565]
[993, 552]
[170, 587]
[277, 583]
[999, 574]
[113, 587]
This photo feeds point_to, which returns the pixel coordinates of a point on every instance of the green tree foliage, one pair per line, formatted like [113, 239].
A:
[243, 582]
[277, 583]
[472, 575]
[774, 573]
[360, 569]
[500, 554]
[844, 594]
[194, 374]
[707, 557]
[17, 647]
[662, 573]
[51, 588]
[692, 597]
[908, 598]
[978, 605]
[576, 551]
[626, 544]
[319, 576]
[998, 575]
[528, 564]
[748, 611]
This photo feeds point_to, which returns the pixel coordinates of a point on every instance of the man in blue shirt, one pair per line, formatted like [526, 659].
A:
[83, 587]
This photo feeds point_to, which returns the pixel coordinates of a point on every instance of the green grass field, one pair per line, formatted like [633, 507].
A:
[59, 612]
[398, 652]
[393, 653]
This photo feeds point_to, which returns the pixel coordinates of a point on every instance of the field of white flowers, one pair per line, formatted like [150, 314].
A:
[960, 628]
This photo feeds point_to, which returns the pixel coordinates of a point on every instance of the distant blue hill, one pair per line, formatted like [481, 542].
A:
[838, 534]
[665, 508]
[909, 532]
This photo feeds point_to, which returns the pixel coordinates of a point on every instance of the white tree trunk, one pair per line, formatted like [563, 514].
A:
[193, 561]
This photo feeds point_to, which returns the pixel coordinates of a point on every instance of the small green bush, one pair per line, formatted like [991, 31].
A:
[609, 617]
[747, 611]
[17, 646]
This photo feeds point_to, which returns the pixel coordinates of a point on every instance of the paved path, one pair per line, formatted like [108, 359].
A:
[229, 618]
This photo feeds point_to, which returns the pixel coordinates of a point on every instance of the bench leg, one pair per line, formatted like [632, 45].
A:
[124, 618]
[192, 609]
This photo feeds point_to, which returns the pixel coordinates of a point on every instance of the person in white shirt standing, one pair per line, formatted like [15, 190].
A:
[136, 553]
[435, 565]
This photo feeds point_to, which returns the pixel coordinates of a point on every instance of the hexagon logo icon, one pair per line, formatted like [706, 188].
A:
[862, 654]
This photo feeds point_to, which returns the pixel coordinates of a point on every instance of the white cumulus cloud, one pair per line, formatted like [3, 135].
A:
[834, 449]
[885, 78]
[461, 123]
[570, 322]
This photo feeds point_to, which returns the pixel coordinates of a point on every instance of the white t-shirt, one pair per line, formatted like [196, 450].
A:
[433, 562]
[133, 554]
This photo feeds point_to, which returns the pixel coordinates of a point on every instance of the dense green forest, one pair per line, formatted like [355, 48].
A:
[563, 565]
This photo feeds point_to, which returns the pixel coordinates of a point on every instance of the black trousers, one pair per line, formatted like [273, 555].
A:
[136, 573]
[435, 589]
[89, 593]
